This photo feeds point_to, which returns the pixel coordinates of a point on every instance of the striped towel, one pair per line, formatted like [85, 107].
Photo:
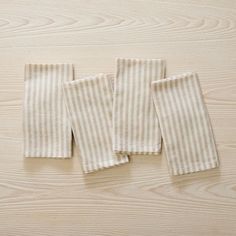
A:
[89, 103]
[136, 127]
[185, 124]
[47, 132]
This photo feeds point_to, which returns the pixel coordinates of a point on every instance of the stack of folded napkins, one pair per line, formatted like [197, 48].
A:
[115, 116]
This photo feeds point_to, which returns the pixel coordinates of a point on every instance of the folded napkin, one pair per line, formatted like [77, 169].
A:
[89, 103]
[135, 124]
[47, 132]
[185, 124]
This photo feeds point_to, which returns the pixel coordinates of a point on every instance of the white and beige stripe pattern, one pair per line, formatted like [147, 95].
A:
[47, 132]
[89, 103]
[135, 124]
[185, 124]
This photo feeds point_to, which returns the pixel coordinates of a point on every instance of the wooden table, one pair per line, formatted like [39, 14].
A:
[53, 197]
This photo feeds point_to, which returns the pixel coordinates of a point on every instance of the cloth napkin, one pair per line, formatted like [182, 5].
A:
[89, 102]
[185, 124]
[47, 132]
[135, 125]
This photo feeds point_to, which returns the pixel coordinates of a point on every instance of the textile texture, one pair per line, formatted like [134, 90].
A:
[135, 125]
[89, 102]
[185, 124]
[47, 132]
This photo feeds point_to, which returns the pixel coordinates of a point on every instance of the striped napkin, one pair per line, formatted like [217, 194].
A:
[89, 103]
[185, 124]
[135, 125]
[47, 132]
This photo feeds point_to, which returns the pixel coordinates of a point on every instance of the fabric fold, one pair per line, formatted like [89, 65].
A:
[135, 125]
[89, 103]
[185, 124]
[47, 132]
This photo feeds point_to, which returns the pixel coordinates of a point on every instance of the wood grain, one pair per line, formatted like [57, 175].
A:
[53, 197]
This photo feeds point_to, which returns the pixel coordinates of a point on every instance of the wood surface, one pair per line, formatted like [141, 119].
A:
[53, 197]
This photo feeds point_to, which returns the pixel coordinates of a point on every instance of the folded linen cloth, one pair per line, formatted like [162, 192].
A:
[89, 103]
[47, 132]
[185, 124]
[135, 125]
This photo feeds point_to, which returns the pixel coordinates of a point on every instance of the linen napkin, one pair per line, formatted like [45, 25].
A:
[185, 124]
[135, 125]
[89, 102]
[47, 132]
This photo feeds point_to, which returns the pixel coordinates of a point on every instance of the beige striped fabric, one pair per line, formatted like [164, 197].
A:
[185, 124]
[135, 125]
[89, 103]
[47, 132]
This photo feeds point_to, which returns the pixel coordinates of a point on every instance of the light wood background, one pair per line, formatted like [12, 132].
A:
[53, 197]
